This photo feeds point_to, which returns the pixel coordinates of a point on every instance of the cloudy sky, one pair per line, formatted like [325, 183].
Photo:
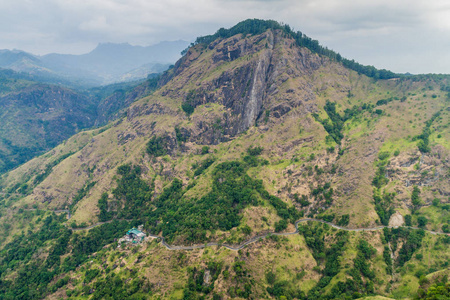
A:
[400, 35]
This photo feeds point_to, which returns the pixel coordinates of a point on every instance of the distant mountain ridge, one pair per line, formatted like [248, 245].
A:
[107, 63]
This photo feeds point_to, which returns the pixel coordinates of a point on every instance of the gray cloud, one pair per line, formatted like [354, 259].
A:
[398, 35]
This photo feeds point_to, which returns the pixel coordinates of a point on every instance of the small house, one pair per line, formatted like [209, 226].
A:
[136, 235]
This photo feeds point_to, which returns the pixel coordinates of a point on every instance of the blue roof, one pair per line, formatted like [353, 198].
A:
[134, 231]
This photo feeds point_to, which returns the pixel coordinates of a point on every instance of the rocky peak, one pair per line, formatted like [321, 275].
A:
[245, 74]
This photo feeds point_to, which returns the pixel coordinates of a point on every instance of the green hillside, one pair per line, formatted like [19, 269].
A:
[35, 116]
[253, 129]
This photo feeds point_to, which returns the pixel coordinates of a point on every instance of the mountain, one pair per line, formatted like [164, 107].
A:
[255, 128]
[16, 59]
[111, 62]
[106, 64]
[35, 116]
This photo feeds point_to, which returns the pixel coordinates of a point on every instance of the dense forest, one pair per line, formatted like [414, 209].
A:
[174, 215]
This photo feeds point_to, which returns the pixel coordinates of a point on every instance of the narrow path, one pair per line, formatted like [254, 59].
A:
[248, 242]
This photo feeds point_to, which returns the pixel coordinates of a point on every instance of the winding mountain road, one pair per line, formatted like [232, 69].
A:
[248, 242]
[259, 237]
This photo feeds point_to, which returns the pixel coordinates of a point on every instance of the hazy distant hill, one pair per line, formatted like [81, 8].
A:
[108, 63]
[13, 58]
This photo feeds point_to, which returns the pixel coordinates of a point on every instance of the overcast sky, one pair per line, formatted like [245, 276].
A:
[399, 35]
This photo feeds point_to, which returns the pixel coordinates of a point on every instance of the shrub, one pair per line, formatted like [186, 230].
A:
[383, 155]
[436, 202]
[156, 146]
[205, 150]
[280, 225]
[343, 220]
[255, 151]
[187, 108]
[408, 220]
[422, 221]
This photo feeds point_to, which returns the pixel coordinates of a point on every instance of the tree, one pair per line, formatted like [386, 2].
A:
[408, 220]
[156, 146]
[415, 198]
[280, 225]
[205, 150]
[422, 221]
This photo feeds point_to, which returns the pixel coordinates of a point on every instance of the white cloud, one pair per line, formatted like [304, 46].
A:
[400, 35]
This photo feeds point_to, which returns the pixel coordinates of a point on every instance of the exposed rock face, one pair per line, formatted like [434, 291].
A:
[396, 220]
[255, 98]
[207, 278]
[250, 88]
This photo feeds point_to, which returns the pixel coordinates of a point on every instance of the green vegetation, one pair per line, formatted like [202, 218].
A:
[205, 150]
[343, 220]
[387, 259]
[205, 164]
[181, 138]
[232, 190]
[133, 193]
[104, 215]
[255, 151]
[188, 105]
[303, 200]
[195, 283]
[16, 155]
[35, 273]
[242, 286]
[415, 198]
[423, 138]
[157, 146]
[283, 289]
[37, 116]
[383, 200]
[408, 220]
[201, 194]
[335, 124]
[323, 192]
[412, 240]
[361, 269]
[191, 218]
[438, 290]
[329, 257]
[115, 287]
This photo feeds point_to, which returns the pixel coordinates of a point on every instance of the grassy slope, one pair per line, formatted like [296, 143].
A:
[285, 140]
[288, 142]
[166, 272]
